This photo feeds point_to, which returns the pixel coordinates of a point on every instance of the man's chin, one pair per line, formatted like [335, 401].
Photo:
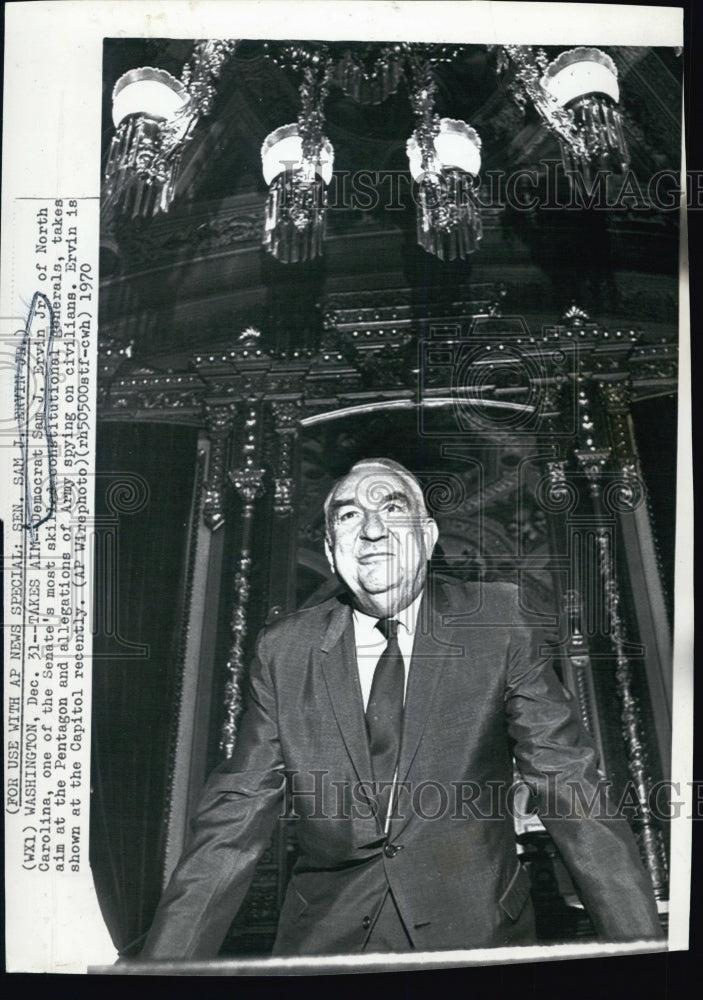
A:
[376, 584]
[382, 601]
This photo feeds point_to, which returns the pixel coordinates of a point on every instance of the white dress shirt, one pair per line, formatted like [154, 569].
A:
[370, 643]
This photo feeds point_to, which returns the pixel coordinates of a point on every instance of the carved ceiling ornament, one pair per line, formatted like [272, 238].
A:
[389, 356]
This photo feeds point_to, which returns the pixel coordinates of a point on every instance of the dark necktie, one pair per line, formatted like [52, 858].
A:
[384, 713]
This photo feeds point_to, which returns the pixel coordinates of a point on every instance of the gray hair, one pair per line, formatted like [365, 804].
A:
[390, 466]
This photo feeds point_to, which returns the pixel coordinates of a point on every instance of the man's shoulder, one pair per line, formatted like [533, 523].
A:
[309, 621]
[452, 595]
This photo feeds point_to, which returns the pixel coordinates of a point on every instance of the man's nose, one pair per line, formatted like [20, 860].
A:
[373, 526]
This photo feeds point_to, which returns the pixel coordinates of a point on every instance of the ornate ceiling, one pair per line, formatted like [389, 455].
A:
[192, 280]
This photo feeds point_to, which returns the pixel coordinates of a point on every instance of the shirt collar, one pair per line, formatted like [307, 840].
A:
[407, 618]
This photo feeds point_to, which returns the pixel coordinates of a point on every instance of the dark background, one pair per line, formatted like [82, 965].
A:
[657, 975]
[219, 184]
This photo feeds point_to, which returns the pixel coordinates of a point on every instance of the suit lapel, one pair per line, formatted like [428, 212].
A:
[428, 658]
[337, 657]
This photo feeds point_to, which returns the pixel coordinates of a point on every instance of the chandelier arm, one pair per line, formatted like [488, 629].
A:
[528, 68]
[313, 91]
[423, 90]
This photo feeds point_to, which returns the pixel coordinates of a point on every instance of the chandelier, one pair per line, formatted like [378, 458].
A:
[154, 116]
[576, 95]
[448, 216]
[584, 82]
[444, 156]
[297, 163]
[294, 226]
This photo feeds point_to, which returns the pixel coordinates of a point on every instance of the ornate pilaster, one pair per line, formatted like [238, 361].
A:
[593, 462]
[626, 497]
[248, 482]
[626, 492]
[219, 418]
[616, 396]
[605, 496]
[554, 492]
[286, 415]
[650, 835]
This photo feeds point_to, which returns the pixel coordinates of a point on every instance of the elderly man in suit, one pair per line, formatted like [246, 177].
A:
[388, 721]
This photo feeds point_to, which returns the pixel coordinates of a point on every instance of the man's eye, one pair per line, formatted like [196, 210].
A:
[347, 515]
[395, 508]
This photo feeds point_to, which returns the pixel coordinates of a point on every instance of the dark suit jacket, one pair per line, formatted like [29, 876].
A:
[477, 694]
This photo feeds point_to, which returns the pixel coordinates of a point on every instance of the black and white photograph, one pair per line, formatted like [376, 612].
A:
[388, 663]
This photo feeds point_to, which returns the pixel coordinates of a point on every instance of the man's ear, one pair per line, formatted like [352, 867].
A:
[328, 553]
[430, 533]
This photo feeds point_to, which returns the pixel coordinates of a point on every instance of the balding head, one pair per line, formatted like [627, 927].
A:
[374, 466]
[379, 536]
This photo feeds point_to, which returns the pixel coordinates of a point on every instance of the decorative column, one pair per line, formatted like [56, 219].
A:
[219, 419]
[627, 497]
[286, 415]
[650, 835]
[247, 481]
[593, 461]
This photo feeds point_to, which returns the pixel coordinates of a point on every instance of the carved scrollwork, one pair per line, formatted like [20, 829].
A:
[284, 490]
[148, 244]
[167, 400]
[248, 482]
[625, 492]
[286, 415]
[554, 492]
[616, 394]
[219, 419]
[593, 462]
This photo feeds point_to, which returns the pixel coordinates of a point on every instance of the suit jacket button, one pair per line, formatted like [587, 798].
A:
[366, 923]
[390, 850]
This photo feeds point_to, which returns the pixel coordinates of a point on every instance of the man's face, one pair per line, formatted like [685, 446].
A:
[379, 540]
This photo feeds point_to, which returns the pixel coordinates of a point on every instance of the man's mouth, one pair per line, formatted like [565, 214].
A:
[370, 557]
